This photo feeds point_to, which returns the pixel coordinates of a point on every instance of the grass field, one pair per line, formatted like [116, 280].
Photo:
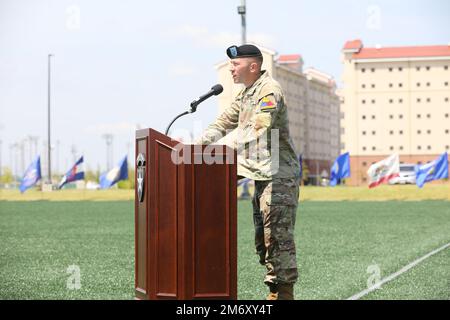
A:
[336, 244]
[438, 190]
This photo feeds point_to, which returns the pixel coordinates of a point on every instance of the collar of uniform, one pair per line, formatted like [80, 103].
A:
[250, 91]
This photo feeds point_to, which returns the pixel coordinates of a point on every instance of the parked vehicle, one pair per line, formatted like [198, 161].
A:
[407, 175]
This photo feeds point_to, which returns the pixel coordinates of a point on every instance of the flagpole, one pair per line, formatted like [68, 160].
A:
[48, 133]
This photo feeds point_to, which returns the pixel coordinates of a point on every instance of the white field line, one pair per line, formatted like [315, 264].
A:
[396, 274]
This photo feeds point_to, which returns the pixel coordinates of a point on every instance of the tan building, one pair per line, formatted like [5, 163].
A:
[395, 100]
[313, 107]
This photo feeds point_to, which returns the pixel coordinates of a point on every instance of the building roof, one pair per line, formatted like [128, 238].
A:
[353, 44]
[289, 58]
[359, 52]
[403, 52]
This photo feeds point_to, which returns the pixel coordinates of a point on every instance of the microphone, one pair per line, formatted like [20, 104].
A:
[215, 90]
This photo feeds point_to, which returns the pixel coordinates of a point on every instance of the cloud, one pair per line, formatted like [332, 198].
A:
[204, 37]
[112, 128]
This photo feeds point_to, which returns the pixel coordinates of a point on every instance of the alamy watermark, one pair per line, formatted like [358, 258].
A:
[374, 280]
[74, 280]
[374, 17]
[263, 147]
[73, 18]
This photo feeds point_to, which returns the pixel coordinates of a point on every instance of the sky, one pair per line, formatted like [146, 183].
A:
[119, 65]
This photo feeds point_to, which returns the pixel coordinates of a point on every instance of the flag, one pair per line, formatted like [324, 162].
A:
[300, 160]
[437, 169]
[340, 169]
[31, 176]
[119, 172]
[383, 171]
[243, 181]
[75, 173]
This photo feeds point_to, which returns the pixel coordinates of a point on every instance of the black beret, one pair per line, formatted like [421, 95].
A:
[246, 50]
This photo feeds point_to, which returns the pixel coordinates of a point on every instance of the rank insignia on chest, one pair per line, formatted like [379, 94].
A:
[266, 104]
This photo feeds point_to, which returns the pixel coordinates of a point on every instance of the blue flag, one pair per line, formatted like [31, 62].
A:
[75, 173]
[300, 160]
[437, 169]
[32, 175]
[119, 172]
[340, 169]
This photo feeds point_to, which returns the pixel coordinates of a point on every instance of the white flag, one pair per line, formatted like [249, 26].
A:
[383, 171]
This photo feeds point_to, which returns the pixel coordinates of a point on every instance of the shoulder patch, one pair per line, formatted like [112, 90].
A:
[268, 103]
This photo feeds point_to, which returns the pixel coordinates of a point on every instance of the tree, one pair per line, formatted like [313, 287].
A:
[7, 176]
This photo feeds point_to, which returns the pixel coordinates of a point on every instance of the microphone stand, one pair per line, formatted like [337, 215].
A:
[193, 109]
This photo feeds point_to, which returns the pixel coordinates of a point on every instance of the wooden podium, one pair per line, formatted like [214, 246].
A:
[185, 220]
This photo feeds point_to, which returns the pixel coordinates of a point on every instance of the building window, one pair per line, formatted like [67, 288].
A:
[391, 100]
[373, 69]
[364, 133]
[418, 100]
[446, 115]
[418, 116]
[373, 117]
[391, 132]
[428, 116]
[373, 101]
[400, 85]
[446, 131]
[445, 67]
[363, 102]
[446, 84]
[364, 179]
[373, 148]
[363, 86]
[391, 148]
[428, 68]
[429, 131]
[446, 99]
[418, 68]
[374, 133]
[400, 100]
[364, 117]
[373, 86]
[401, 147]
[391, 116]
[390, 69]
[400, 116]
[447, 147]
[400, 132]
[428, 100]
[429, 147]
[400, 69]
[364, 163]
[419, 148]
[363, 70]
[364, 148]
[428, 84]
[418, 84]
[419, 131]
[390, 85]
[342, 115]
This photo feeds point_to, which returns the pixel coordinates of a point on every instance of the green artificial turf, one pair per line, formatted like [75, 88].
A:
[336, 244]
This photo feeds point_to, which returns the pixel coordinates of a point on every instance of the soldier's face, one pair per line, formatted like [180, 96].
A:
[241, 69]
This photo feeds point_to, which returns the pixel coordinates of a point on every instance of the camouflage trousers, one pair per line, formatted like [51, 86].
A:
[274, 210]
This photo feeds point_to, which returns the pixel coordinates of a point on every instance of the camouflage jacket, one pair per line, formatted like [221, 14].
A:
[258, 118]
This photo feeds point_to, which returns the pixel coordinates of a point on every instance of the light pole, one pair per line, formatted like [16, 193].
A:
[109, 154]
[242, 11]
[49, 156]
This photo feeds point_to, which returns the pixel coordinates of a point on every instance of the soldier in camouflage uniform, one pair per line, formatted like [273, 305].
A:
[266, 155]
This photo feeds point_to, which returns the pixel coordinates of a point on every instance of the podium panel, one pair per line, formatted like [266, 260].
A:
[185, 221]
